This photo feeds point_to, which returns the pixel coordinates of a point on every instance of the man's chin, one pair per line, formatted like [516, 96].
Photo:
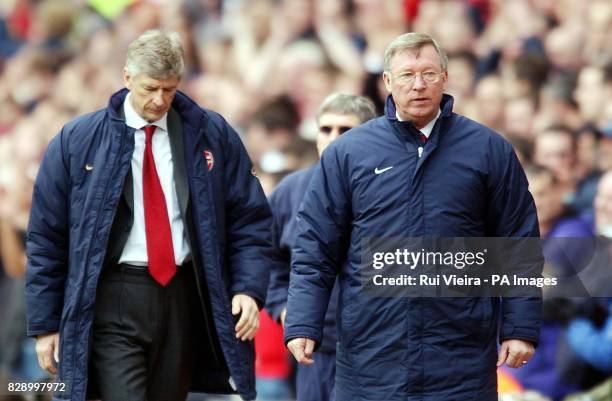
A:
[420, 113]
[152, 117]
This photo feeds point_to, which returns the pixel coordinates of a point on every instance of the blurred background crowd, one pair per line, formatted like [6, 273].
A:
[539, 72]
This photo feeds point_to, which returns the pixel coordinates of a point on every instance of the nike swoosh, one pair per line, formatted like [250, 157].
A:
[88, 167]
[382, 170]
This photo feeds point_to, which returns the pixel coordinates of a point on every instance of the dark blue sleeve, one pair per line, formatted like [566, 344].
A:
[279, 270]
[47, 242]
[321, 245]
[512, 213]
[248, 221]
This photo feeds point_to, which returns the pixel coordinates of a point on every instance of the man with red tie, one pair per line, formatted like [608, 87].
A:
[148, 244]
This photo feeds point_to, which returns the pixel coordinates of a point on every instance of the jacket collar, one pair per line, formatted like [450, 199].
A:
[188, 110]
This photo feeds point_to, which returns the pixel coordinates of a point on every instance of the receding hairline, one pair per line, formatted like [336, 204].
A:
[413, 42]
[157, 53]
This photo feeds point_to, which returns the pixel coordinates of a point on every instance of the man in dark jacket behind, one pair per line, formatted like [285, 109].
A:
[337, 114]
[419, 171]
[148, 244]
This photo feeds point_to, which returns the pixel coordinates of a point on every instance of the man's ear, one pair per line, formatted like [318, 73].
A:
[127, 79]
[387, 80]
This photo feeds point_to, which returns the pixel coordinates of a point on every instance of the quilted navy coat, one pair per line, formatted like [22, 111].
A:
[285, 202]
[374, 182]
[73, 210]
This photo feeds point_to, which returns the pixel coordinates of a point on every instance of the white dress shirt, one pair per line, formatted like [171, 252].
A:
[135, 251]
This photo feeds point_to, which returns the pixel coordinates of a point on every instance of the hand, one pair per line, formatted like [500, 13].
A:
[47, 349]
[515, 353]
[302, 349]
[249, 319]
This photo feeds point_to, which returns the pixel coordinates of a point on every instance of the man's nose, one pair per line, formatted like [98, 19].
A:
[335, 133]
[158, 98]
[419, 83]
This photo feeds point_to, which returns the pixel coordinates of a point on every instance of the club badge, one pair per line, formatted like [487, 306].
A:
[210, 160]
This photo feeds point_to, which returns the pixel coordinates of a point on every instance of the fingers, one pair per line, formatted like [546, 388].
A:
[56, 349]
[519, 352]
[309, 348]
[518, 359]
[247, 325]
[297, 349]
[46, 350]
[503, 354]
[301, 349]
[514, 359]
[235, 305]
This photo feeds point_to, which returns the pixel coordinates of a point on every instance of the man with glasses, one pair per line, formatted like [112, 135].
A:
[418, 171]
[337, 114]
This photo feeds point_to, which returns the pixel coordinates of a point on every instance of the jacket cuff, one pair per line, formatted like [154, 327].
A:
[303, 332]
[275, 310]
[35, 329]
[260, 302]
[510, 332]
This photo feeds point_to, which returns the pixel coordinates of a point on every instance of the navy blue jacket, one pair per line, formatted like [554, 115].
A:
[285, 202]
[467, 183]
[73, 210]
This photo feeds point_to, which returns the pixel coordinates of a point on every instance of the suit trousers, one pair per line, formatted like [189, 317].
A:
[143, 335]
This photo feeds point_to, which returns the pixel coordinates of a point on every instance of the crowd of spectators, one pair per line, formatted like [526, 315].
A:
[539, 72]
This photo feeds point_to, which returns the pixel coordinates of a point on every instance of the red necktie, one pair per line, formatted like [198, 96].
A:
[422, 137]
[160, 250]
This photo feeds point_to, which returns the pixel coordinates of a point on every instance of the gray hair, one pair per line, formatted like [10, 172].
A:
[342, 103]
[157, 53]
[413, 41]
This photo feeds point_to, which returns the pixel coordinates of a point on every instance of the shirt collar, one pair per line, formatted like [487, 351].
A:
[133, 120]
[426, 130]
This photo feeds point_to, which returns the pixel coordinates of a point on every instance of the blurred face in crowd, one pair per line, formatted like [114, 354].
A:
[555, 151]
[463, 77]
[151, 98]
[589, 93]
[331, 126]
[604, 158]
[489, 96]
[563, 46]
[416, 82]
[547, 198]
[586, 152]
[603, 206]
[518, 117]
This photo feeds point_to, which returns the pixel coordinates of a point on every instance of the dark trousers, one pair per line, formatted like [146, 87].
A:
[317, 382]
[142, 335]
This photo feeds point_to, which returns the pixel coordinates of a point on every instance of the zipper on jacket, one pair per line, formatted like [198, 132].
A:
[420, 150]
[87, 259]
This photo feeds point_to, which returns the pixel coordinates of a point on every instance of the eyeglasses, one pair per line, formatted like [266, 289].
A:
[408, 78]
